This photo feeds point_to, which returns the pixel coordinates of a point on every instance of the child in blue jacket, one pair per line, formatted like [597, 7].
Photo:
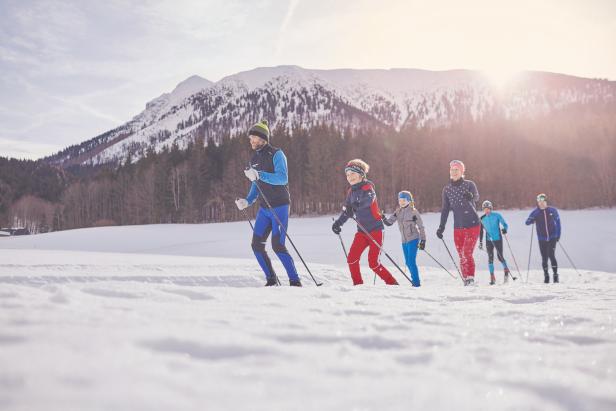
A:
[491, 222]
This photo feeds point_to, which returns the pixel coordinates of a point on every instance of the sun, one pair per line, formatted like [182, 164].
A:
[501, 77]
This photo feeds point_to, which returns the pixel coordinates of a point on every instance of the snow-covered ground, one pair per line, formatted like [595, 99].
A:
[175, 317]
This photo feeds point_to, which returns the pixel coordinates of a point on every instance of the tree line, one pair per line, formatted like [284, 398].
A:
[568, 154]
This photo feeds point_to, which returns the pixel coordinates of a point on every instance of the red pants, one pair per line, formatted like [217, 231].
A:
[465, 240]
[360, 243]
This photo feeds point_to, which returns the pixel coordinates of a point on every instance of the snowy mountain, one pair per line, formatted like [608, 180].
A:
[291, 96]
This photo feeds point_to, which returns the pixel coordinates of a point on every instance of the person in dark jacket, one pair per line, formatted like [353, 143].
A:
[411, 230]
[361, 203]
[460, 196]
[547, 222]
[269, 176]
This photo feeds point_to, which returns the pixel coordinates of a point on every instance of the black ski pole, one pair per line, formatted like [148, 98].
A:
[318, 284]
[512, 255]
[442, 266]
[530, 250]
[452, 259]
[253, 230]
[361, 227]
[569, 258]
[342, 243]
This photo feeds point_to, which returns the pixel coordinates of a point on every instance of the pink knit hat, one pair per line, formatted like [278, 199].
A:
[457, 164]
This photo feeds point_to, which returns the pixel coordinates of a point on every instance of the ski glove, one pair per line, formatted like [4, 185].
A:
[349, 211]
[422, 245]
[385, 220]
[481, 245]
[251, 174]
[336, 227]
[241, 203]
[504, 231]
[469, 196]
[439, 232]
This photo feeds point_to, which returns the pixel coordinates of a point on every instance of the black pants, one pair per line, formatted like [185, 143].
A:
[499, 250]
[548, 250]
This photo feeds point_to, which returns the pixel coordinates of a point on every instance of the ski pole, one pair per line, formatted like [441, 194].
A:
[530, 250]
[569, 258]
[285, 233]
[253, 230]
[342, 243]
[436, 261]
[452, 259]
[379, 246]
[512, 255]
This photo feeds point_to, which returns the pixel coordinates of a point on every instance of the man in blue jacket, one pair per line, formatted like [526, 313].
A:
[491, 222]
[547, 221]
[269, 176]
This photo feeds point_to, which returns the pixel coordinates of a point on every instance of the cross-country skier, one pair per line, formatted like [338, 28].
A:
[460, 196]
[269, 176]
[491, 221]
[361, 202]
[412, 232]
[547, 221]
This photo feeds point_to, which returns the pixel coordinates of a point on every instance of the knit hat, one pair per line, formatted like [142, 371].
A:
[542, 197]
[457, 164]
[406, 195]
[261, 129]
[357, 166]
[487, 204]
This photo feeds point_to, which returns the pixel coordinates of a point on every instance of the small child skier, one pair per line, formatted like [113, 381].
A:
[491, 222]
[412, 232]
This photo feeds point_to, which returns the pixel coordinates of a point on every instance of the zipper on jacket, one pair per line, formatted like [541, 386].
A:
[547, 230]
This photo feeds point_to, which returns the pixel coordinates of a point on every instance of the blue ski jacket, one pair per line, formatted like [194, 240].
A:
[491, 224]
[547, 222]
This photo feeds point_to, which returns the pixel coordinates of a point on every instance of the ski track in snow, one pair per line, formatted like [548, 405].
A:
[88, 330]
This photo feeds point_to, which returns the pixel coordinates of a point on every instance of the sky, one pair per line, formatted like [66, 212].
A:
[70, 70]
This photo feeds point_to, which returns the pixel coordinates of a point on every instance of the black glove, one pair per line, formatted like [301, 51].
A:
[414, 218]
[557, 239]
[422, 245]
[439, 232]
[469, 196]
[336, 227]
[384, 219]
[349, 211]
[504, 231]
[481, 245]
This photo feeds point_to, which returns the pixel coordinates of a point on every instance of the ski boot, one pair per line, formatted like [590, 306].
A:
[295, 283]
[492, 279]
[555, 278]
[271, 281]
[469, 281]
[507, 274]
[546, 278]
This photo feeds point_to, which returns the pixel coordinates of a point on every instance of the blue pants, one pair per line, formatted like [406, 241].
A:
[265, 224]
[410, 257]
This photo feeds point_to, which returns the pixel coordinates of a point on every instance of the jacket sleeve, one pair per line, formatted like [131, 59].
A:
[445, 208]
[420, 226]
[253, 193]
[390, 220]
[280, 176]
[531, 218]
[474, 191]
[347, 204]
[557, 222]
[503, 222]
